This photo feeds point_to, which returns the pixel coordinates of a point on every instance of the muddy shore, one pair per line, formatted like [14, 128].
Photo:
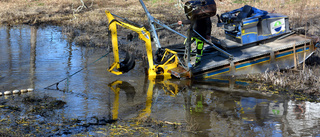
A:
[32, 115]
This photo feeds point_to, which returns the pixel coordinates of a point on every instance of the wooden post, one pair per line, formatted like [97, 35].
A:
[294, 56]
[304, 51]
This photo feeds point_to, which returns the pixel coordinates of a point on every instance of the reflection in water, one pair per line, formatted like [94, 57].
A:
[114, 87]
[129, 90]
[117, 86]
[300, 109]
[247, 114]
[146, 112]
[69, 48]
[220, 113]
[9, 51]
[33, 43]
[37, 57]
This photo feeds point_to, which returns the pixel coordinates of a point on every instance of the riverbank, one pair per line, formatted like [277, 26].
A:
[86, 24]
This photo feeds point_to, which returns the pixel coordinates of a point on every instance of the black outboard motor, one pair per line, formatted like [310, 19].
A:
[198, 9]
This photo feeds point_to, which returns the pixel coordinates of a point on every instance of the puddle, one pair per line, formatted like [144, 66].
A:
[32, 57]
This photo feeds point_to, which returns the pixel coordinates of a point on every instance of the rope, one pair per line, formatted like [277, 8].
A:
[167, 25]
[57, 83]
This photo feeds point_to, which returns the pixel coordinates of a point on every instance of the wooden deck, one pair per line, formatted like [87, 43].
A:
[215, 59]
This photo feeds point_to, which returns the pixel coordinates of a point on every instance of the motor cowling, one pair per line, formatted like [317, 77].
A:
[199, 9]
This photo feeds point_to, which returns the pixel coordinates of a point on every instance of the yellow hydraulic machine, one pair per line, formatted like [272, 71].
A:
[124, 66]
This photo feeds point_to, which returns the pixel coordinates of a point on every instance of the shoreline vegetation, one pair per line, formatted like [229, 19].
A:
[84, 22]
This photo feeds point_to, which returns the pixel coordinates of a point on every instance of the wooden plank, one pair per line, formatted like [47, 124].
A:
[294, 56]
[230, 44]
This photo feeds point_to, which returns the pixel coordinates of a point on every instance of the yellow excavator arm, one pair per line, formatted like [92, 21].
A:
[154, 70]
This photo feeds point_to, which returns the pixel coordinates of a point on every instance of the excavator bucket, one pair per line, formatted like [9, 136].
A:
[124, 66]
[128, 63]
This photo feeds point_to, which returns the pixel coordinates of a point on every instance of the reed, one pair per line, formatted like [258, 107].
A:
[306, 81]
[293, 8]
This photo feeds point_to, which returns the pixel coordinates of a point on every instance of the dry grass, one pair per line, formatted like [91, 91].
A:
[303, 81]
[89, 26]
[31, 11]
[14, 11]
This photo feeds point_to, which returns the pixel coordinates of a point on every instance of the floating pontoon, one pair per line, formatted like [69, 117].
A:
[255, 41]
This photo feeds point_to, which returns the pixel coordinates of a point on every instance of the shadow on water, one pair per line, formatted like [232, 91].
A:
[34, 57]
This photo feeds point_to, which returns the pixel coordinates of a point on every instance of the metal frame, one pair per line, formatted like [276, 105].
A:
[153, 20]
[217, 48]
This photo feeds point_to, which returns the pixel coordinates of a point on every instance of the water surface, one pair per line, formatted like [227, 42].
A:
[36, 57]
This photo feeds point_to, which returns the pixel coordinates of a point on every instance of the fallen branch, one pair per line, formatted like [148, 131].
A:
[80, 8]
